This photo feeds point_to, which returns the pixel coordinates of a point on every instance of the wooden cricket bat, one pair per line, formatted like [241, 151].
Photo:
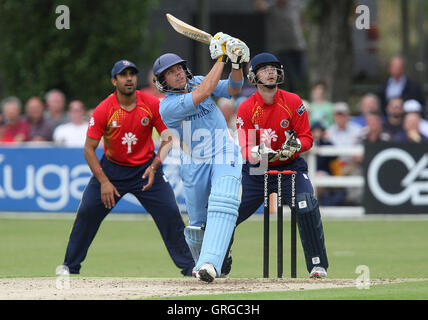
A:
[188, 30]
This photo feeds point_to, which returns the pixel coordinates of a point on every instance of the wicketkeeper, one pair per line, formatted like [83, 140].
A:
[273, 128]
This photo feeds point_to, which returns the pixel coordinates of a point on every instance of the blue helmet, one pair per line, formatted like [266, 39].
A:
[261, 60]
[161, 64]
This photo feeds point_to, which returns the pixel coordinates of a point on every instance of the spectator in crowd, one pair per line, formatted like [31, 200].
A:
[411, 126]
[73, 134]
[399, 85]
[227, 107]
[284, 37]
[326, 166]
[55, 104]
[229, 110]
[14, 128]
[394, 117]
[40, 128]
[151, 87]
[343, 132]
[368, 104]
[413, 106]
[373, 131]
[320, 109]
[346, 133]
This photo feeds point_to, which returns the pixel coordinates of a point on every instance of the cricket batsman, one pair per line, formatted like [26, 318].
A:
[273, 128]
[211, 161]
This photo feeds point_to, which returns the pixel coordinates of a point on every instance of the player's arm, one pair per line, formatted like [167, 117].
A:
[108, 190]
[238, 53]
[207, 86]
[300, 138]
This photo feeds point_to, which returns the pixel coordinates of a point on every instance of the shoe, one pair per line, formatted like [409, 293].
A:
[62, 270]
[206, 273]
[318, 272]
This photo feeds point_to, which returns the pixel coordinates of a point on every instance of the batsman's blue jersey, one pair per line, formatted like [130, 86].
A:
[202, 129]
[208, 151]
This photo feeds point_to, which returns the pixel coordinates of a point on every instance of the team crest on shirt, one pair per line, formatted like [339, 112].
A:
[268, 135]
[145, 121]
[129, 139]
[284, 123]
[92, 122]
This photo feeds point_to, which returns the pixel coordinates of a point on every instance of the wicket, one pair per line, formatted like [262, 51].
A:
[279, 224]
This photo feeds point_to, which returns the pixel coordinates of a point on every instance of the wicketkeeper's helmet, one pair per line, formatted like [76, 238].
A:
[164, 62]
[263, 59]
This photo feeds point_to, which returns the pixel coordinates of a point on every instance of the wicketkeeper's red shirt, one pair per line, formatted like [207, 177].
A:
[259, 122]
[127, 134]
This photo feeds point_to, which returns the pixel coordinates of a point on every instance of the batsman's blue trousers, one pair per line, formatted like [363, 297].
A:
[159, 201]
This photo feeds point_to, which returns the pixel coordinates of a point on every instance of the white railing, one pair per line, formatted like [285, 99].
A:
[335, 181]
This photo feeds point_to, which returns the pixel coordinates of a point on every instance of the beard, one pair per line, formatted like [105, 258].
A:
[127, 91]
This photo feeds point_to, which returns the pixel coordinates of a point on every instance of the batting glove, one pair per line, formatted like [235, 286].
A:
[238, 52]
[291, 146]
[261, 152]
[218, 45]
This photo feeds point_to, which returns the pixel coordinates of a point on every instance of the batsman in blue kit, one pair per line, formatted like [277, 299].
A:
[273, 130]
[211, 161]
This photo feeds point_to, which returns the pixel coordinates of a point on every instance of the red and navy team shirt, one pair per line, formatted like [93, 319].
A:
[259, 122]
[127, 134]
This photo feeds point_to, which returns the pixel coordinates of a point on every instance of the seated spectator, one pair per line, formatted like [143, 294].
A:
[321, 110]
[55, 108]
[14, 129]
[411, 133]
[369, 103]
[326, 166]
[343, 132]
[227, 107]
[394, 117]
[40, 128]
[399, 85]
[373, 131]
[151, 87]
[413, 106]
[346, 133]
[73, 134]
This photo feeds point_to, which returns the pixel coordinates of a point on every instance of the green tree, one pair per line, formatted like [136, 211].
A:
[35, 56]
[330, 45]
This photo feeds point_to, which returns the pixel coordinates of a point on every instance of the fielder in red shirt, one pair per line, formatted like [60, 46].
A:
[125, 121]
[273, 128]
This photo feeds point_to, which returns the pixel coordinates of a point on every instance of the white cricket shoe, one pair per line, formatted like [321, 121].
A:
[62, 270]
[206, 273]
[318, 272]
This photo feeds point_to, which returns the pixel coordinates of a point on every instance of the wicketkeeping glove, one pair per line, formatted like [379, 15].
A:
[237, 51]
[218, 45]
[291, 146]
[261, 152]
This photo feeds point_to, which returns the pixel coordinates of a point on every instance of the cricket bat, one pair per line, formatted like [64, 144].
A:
[188, 31]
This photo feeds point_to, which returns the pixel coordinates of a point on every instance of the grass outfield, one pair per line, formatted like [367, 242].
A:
[390, 248]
